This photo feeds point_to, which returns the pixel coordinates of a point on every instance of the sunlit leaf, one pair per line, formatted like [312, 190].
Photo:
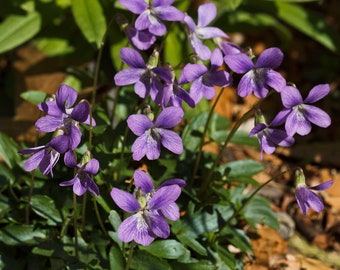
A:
[44, 206]
[8, 150]
[22, 235]
[168, 249]
[17, 29]
[90, 18]
[34, 96]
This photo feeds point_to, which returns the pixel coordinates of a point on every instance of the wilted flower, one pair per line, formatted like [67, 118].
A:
[204, 80]
[299, 114]
[150, 207]
[305, 197]
[152, 135]
[259, 76]
[82, 180]
[151, 13]
[206, 13]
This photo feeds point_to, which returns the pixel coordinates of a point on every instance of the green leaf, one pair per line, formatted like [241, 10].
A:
[227, 5]
[8, 150]
[174, 43]
[17, 29]
[4, 205]
[310, 23]
[143, 260]
[237, 237]
[54, 46]
[44, 206]
[168, 249]
[90, 18]
[14, 235]
[238, 168]
[258, 211]
[6, 176]
[114, 219]
[200, 265]
[116, 258]
[34, 96]
[189, 241]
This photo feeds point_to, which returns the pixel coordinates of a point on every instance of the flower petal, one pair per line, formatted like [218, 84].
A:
[143, 181]
[125, 200]
[135, 6]
[127, 229]
[49, 123]
[239, 63]
[169, 117]
[81, 112]
[34, 161]
[317, 93]
[323, 186]
[210, 33]
[206, 13]
[66, 96]
[132, 58]
[191, 72]
[169, 13]
[270, 58]
[315, 202]
[171, 211]
[290, 96]
[164, 196]
[139, 123]
[159, 226]
[171, 141]
[139, 147]
[317, 116]
[128, 76]
[92, 167]
[275, 80]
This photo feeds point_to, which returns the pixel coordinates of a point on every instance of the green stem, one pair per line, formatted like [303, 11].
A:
[244, 117]
[101, 224]
[128, 262]
[249, 199]
[83, 211]
[199, 154]
[75, 225]
[27, 210]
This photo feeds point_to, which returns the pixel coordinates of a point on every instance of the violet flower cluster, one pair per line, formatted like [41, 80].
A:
[62, 119]
[150, 209]
[160, 84]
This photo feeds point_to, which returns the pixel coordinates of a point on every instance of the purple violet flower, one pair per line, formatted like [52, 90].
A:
[269, 137]
[228, 47]
[299, 114]
[46, 156]
[61, 115]
[151, 13]
[259, 76]
[142, 39]
[206, 13]
[150, 207]
[82, 180]
[204, 80]
[152, 135]
[304, 195]
[146, 78]
[173, 94]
